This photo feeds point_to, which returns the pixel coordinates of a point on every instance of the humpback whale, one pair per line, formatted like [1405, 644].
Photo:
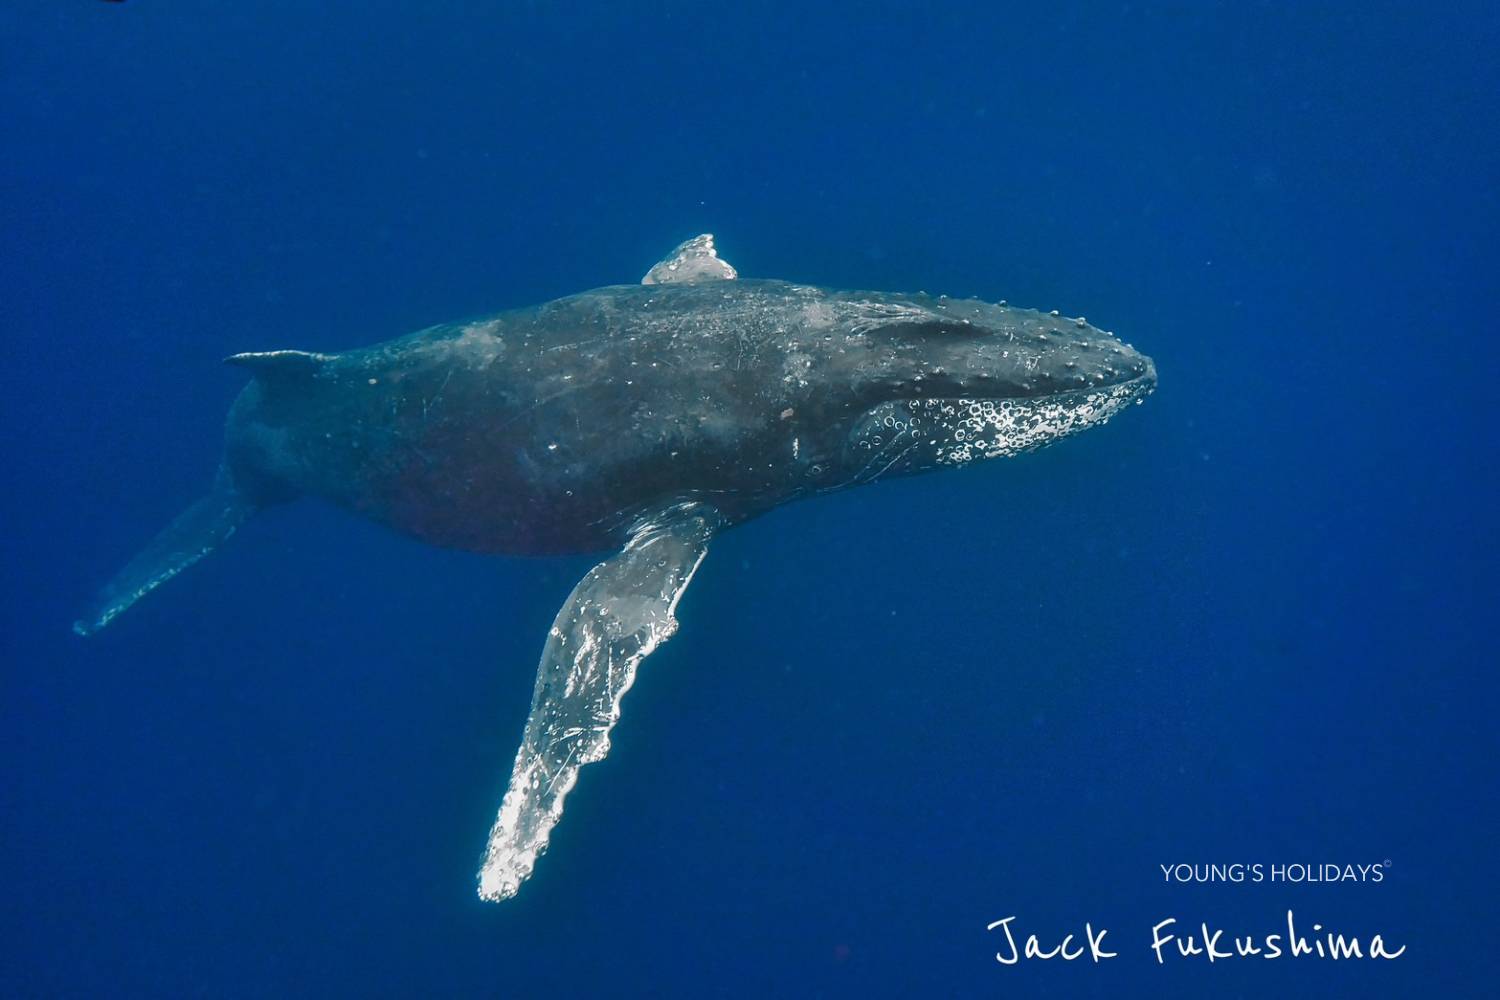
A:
[639, 421]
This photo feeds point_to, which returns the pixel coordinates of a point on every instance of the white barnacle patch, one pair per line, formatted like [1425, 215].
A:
[818, 316]
[479, 343]
[796, 369]
[1001, 428]
[914, 435]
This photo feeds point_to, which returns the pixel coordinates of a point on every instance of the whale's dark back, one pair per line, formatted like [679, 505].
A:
[548, 430]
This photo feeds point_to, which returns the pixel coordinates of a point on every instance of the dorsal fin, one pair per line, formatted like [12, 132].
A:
[289, 363]
[695, 260]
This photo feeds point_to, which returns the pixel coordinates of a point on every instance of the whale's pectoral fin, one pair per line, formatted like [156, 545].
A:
[613, 619]
[693, 261]
[195, 533]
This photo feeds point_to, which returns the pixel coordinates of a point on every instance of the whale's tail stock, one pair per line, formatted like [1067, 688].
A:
[195, 533]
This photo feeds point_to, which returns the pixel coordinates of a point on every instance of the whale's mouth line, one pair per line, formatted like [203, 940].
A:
[1138, 385]
[1133, 388]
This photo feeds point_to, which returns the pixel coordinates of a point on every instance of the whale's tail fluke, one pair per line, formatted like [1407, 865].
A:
[195, 533]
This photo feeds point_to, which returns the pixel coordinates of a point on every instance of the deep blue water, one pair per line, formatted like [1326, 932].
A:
[1249, 621]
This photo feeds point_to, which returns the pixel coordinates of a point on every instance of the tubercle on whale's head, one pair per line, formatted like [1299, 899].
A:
[953, 382]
